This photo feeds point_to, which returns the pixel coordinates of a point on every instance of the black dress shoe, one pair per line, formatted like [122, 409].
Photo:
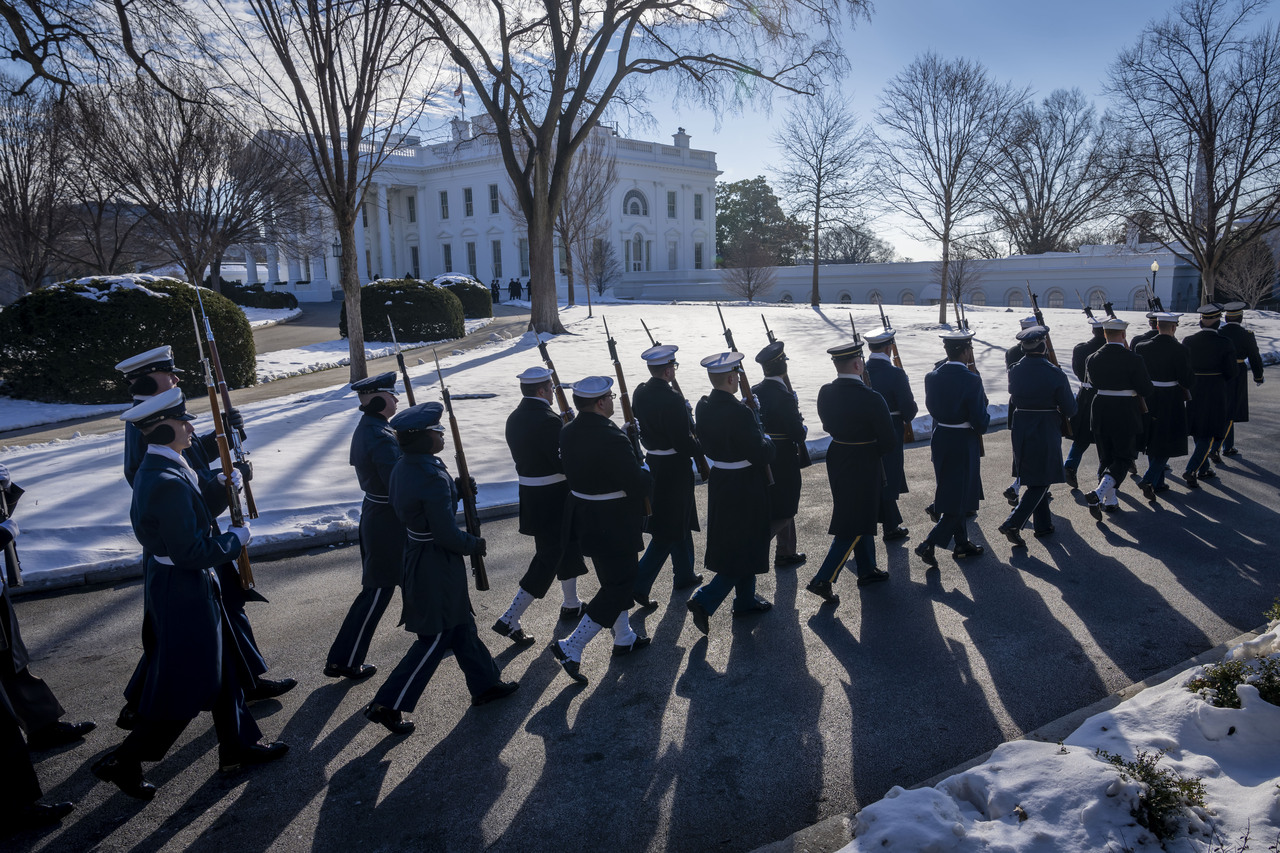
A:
[620, 649]
[895, 534]
[646, 604]
[34, 815]
[1013, 535]
[249, 756]
[877, 576]
[1163, 487]
[689, 584]
[1011, 495]
[268, 688]
[571, 667]
[394, 721]
[1110, 508]
[1041, 534]
[515, 635]
[1232, 452]
[1148, 492]
[968, 549]
[701, 618]
[934, 515]
[823, 590]
[59, 734]
[568, 613]
[501, 690]
[128, 719]
[1191, 481]
[1215, 458]
[1094, 500]
[925, 552]
[355, 673]
[127, 776]
[759, 605]
[1208, 475]
[1069, 474]
[789, 561]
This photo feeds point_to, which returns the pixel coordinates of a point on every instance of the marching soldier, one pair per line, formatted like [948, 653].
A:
[1247, 359]
[606, 512]
[1119, 379]
[1213, 360]
[892, 384]
[1153, 323]
[374, 454]
[196, 662]
[152, 373]
[1169, 366]
[1014, 353]
[954, 396]
[1080, 427]
[666, 431]
[862, 435]
[1039, 400]
[780, 418]
[437, 607]
[20, 793]
[533, 437]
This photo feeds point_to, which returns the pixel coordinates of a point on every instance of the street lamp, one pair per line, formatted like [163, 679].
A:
[337, 249]
[1155, 268]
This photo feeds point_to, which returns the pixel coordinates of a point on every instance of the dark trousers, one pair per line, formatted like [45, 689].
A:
[712, 594]
[861, 548]
[783, 531]
[1116, 454]
[1229, 440]
[655, 557]
[1198, 463]
[404, 687]
[952, 525]
[1076, 453]
[617, 574]
[1155, 470]
[34, 705]
[551, 559]
[352, 643]
[18, 783]
[1033, 503]
[890, 515]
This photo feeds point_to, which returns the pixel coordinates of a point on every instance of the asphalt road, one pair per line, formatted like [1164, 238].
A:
[773, 723]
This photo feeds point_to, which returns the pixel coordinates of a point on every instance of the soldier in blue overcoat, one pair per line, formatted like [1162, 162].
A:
[781, 420]
[1169, 366]
[1213, 361]
[891, 382]
[1120, 385]
[1082, 434]
[1248, 359]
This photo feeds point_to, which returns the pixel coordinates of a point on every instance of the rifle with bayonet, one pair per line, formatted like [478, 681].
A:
[963, 322]
[12, 566]
[1064, 423]
[699, 458]
[404, 371]
[629, 425]
[470, 513]
[802, 449]
[1088, 312]
[908, 434]
[566, 413]
[235, 436]
[224, 452]
[744, 385]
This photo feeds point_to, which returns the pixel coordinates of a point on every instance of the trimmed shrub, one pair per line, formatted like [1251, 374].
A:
[60, 344]
[419, 310]
[256, 296]
[477, 301]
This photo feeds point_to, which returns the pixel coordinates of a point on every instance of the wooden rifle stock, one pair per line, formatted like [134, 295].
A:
[470, 513]
[235, 437]
[629, 425]
[566, 413]
[404, 371]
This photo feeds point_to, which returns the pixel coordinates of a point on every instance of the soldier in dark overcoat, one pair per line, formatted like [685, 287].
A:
[1014, 353]
[954, 397]
[1169, 366]
[1120, 382]
[1039, 399]
[781, 420]
[374, 454]
[1081, 431]
[437, 606]
[196, 663]
[1248, 359]
[608, 492]
[533, 437]
[20, 793]
[862, 436]
[666, 431]
[891, 383]
[1151, 332]
[739, 453]
[1213, 361]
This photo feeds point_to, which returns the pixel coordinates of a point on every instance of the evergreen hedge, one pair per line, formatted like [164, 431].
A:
[419, 310]
[477, 301]
[60, 344]
[256, 296]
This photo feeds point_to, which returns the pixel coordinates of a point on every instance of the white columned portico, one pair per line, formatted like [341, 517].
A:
[250, 266]
[273, 263]
[424, 251]
[384, 232]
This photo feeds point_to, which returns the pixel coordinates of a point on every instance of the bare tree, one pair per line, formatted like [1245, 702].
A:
[964, 273]
[1249, 273]
[33, 184]
[1056, 172]
[1199, 99]
[584, 213]
[343, 80]
[751, 274]
[854, 243]
[603, 269]
[825, 169]
[546, 73]
[940, 123]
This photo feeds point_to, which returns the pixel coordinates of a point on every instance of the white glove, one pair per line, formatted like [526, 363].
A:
[11, 526]
[4, 477]
[242, 533]
[237, 480]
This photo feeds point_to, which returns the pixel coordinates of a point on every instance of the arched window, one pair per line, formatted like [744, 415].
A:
[635, 204]
[978, 298]
[1096, 297]
[1138, 299]
[1055, 299]
[1013, 298]
[874, 297]
[786, 297]
[908, 298]
[845, 298]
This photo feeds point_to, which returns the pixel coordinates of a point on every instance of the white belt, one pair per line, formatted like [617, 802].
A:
[1085, 386]
[376, 499]
[548, 480]
[965, 425]
[899, 414]
[741, 463]
[1103, 392]
[164, 561]
[1035, 410]
[607, 496]
[421, 537]
[665, 452]
[1164, 384]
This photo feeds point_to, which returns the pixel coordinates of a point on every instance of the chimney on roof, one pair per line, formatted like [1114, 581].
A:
[681, 138]
[461, 130]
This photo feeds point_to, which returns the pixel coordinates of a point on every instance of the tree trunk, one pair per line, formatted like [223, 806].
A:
[349, 274]
[814, 298]
[568, 273]
[545, 314]
[944, 285]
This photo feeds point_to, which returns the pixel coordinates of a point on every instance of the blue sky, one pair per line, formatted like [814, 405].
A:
[1042, 45]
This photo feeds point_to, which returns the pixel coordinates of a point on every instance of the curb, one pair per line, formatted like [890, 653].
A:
[836, 832]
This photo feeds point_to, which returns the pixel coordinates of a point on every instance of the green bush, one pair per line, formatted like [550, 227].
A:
[60, 344]
[1218, 682]
[255, 296]
[420, 311]
[477, 301]
[1164, 794]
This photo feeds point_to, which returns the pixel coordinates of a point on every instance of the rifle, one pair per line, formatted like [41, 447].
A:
[699, 458]
[236, 436]
[744, 384]
[629, 424]
[802, 449]
[224, 454]
[908, 434]
[969, 361]
[469, 512]
[1064, 423]
[12, 567]
[566, 413]
[1088, 312]
[404, 372]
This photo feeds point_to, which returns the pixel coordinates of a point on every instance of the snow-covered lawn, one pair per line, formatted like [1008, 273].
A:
[260, 318]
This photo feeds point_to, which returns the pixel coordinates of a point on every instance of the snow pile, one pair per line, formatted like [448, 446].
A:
[102, 286]
[261, 318]
[1065, 798]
